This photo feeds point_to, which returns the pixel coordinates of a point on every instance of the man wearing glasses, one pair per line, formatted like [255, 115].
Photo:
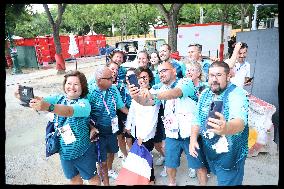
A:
[195, 55]
[225, 137]
[105, 100]
[172, 92]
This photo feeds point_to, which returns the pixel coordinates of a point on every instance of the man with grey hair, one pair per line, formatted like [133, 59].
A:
[105, 99]
[195, 54]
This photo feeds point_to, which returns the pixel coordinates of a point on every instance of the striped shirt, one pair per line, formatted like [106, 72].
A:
[104, 106]
[79, 124]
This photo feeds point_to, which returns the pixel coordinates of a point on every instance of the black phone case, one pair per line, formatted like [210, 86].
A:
[96, 135]
[26, 94]
[250, 79]
[133, 80]
[216, 106]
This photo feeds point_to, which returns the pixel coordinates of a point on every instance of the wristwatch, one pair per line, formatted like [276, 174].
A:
[51, 108]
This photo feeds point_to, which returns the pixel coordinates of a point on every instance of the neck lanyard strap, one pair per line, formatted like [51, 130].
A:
[105, 104]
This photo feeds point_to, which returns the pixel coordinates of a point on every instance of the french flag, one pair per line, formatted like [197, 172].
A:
[137, 167]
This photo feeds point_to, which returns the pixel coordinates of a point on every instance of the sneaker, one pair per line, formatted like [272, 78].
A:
[120, 154]
[164, 172]
[160, 161]
[192, 173]
[112, 174]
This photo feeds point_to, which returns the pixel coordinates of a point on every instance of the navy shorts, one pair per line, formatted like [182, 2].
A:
[84, 165]
[107, 144]
[174, 149]
[160, 130]
[231, 177]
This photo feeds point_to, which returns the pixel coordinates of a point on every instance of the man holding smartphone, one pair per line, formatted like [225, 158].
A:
[225, 143]
[240, 67]
[177, 97]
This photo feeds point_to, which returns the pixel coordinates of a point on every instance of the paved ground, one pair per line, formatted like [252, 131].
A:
[25, 129]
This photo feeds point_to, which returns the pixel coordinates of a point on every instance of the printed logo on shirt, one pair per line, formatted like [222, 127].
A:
[82, 104]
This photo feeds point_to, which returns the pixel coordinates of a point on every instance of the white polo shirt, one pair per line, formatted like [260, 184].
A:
[241, 71]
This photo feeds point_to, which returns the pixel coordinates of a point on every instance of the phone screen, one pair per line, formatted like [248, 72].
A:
[26, 94]
[216, 106]
[133, 80]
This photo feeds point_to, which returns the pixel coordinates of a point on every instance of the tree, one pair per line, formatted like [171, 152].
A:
[60, 64]
[13, 14]
[171, 19]
[244, 10]
[36, 26]
[265, 12]
[189, 14]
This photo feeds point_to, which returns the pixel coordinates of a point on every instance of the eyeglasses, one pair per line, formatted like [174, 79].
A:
[192, 70]
[217, 76]
[162, 71]
[143, 77]
[107, 78]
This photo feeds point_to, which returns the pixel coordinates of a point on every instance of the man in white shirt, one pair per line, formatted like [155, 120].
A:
[240, 69]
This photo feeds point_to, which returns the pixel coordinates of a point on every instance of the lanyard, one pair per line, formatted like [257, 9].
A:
[100, 161]
[105, 104]
[122, 90]
[171, 87]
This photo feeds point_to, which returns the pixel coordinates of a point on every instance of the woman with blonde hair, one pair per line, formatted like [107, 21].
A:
[194, 72]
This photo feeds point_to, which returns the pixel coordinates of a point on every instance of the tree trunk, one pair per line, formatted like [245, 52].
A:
[250, 21]
[171, 19]
[172, 34]
[60, 64]
[137, 24]
[242, 22]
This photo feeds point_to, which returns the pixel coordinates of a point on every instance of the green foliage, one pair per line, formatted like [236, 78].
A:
[127, 18]
[265, 12]
[14, 13]
[189, 14]
[38, 26]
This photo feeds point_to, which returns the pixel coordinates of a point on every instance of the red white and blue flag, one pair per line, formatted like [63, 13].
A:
[137, 167]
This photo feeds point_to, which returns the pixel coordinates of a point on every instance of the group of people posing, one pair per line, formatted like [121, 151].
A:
[168, 112]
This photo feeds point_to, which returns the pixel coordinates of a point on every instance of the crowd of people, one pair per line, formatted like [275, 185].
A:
[168, 112]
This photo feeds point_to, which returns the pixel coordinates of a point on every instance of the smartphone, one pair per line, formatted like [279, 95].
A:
[201, 89]
[26, 94]
[133, 80]
[216, 106]
[95, 136]
[249, 80]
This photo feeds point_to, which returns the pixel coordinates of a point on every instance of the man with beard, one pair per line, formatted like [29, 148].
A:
[240, 67]
[225, 137]
[173, 93]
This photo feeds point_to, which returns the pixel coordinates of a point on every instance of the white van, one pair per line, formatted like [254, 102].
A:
[132, 46]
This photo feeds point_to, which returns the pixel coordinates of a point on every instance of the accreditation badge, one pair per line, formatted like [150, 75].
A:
[114, 124]
[67, 134]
